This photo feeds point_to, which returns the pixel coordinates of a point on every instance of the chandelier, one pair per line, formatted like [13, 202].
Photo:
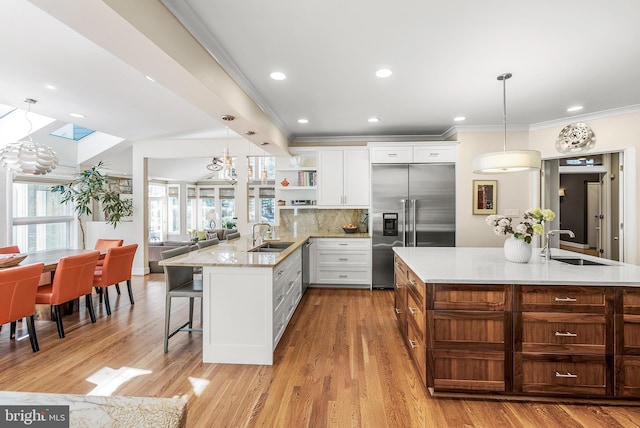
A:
[28, 157]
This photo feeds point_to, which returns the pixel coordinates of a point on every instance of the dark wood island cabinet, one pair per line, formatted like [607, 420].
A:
[520, 339]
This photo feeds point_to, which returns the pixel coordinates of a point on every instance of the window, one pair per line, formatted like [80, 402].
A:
[40, 221]
[227, 202]
[173, 202]
[191, 209]
[264, 208]
[207, 208]
[157, 194]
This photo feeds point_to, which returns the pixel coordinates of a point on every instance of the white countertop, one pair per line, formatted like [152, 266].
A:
[235, 253]
[463, 265]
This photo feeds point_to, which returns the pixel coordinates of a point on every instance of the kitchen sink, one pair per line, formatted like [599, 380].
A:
[271, 247]
[577, 261]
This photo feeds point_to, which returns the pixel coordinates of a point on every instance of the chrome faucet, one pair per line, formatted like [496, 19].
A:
[546, 251]
[253, 231]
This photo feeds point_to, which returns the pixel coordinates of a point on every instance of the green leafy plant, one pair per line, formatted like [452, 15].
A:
[90, 186]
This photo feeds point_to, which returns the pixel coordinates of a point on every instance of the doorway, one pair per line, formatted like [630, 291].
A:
[586, 195]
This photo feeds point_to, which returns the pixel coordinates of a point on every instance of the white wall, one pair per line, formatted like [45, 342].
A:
[613, 134]
[514, 189]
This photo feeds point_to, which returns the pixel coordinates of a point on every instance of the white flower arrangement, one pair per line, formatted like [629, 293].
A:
[533, 224]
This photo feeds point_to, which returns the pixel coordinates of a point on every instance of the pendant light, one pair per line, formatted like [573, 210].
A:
[249, 160]
[28, 157]
[506, 160]
[229, 172]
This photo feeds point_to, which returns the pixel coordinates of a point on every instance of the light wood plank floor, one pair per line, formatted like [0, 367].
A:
[340, 363]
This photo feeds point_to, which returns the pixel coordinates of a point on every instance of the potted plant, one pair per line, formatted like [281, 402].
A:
[92, 186]
[229, 223]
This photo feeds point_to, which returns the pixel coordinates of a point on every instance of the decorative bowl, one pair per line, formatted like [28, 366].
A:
[350, 229]
[8, 260]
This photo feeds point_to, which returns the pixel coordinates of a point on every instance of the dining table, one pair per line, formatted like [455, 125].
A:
[51, 258]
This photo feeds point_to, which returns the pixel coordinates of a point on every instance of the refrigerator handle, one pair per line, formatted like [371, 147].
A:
[415, 232]
[404, 222]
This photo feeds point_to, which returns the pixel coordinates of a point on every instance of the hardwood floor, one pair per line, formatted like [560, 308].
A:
[340, 363]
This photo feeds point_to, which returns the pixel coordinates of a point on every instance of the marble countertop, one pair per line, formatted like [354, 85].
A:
[461, 265]
[236, 252]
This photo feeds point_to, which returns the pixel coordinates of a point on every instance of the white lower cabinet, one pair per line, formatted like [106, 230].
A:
[342, 262]
[247, 310]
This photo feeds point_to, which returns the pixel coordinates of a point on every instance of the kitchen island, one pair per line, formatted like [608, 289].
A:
[476, 323]
[248, 296]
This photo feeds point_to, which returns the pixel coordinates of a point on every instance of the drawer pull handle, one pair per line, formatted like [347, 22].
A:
[413, 310]
[343, 244]
[413, 344]
[571, 375]
[343, 259]
[343, 276]
[412, 282]
[398, 311]
[392, 154]
[567, 334]
[565, 299]
[398, 286]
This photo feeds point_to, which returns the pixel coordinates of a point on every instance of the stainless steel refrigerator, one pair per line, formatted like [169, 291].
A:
[412, 205]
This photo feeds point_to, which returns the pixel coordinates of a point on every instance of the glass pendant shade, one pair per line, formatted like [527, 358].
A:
[27, 157]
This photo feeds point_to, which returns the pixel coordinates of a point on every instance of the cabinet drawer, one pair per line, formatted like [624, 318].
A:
[343, 276]
[418, 350]
[416, 315]
[400, 268]
[565, 333]
[466, 370]
[343, 244]
[631, 300]
[562, 374]
[471, 297]
[400, 154]
[417, 288]
[429, 154]
[346, 258]
[565, 299]
[628, 376]
[629, 342]
[487, 331]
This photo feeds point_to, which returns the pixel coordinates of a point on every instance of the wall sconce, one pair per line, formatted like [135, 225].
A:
[561, 193]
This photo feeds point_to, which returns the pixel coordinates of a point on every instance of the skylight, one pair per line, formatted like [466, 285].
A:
[72, 132]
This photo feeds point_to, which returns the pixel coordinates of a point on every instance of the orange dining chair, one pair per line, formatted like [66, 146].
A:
[18, 286]
[115, 269]
[73, 279]
[104, 245]
[13, 249]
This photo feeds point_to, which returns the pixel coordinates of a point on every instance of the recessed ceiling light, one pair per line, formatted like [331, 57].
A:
[278, 75]
[373, 119]
[150, 79]
[51, 87]
[303, 121]
[77, 115]
[459, 118]
[384, 72]
[574, 108]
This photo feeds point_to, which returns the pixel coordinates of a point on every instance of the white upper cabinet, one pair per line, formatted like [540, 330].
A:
[418, 152]
[343, 177]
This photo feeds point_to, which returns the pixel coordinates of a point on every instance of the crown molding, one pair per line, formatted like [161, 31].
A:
[635, 108]
[366, 138]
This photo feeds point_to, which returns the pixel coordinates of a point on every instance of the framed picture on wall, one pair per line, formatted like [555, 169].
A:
[485, 197]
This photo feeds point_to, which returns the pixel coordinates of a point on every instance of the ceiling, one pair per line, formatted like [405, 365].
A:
[445, 56]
